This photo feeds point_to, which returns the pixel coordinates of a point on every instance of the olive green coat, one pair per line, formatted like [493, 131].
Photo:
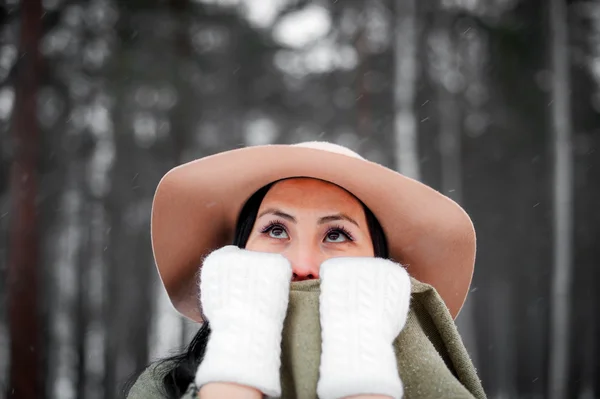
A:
[432, 360]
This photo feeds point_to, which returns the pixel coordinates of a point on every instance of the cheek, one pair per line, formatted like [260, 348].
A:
[366, 251]
[258, 243]
[357, 251]
[253, 244]
[359, 248]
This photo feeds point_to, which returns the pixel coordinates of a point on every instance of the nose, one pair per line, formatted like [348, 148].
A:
[306, 262]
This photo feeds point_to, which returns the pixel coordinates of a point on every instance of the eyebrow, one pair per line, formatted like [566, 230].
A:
[339, 216]
[279, 213]
[324, 219]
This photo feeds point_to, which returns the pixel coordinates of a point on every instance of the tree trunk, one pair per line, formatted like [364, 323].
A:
[167, 329]
[584, 378]
[405, 76]
[95, 337]
[62, 349]
[23, 266]
[562, 204]
[451, 117]
[82, 308]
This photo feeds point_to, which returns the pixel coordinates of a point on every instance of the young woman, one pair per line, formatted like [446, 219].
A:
[313, 212]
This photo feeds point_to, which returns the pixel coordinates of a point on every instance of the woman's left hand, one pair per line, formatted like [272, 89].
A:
[364, 305]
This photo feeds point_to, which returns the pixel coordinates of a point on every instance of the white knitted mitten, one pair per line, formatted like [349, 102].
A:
[244, 296]
[363, 305]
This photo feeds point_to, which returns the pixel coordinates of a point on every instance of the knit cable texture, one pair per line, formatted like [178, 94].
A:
[364, 304]
[244, 296]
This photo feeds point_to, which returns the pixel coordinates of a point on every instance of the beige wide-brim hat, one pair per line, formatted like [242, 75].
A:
[197, 204]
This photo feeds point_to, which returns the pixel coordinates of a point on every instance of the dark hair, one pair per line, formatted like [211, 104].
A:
[182, 367]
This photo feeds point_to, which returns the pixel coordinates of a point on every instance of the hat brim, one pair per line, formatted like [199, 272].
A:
[196, 206]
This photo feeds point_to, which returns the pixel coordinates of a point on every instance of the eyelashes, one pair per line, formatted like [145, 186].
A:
[340, 229]
[336, 229]
[273, 224]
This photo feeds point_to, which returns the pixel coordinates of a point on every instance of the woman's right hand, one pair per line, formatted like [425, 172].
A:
[244, 296]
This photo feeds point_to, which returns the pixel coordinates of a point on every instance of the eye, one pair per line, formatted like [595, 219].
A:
[277, 232]
[338, 235]
[275, 229]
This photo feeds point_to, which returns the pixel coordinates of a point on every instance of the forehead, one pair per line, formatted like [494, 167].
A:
[311, 193]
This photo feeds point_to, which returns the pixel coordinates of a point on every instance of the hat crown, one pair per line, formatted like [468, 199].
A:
[327, 146]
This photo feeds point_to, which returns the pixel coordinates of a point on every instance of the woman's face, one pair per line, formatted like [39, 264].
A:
[309, 221]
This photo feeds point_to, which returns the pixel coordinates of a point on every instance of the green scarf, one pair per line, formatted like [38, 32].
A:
[432, 360]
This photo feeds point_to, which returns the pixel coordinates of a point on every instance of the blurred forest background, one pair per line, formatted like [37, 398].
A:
[495, 103]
